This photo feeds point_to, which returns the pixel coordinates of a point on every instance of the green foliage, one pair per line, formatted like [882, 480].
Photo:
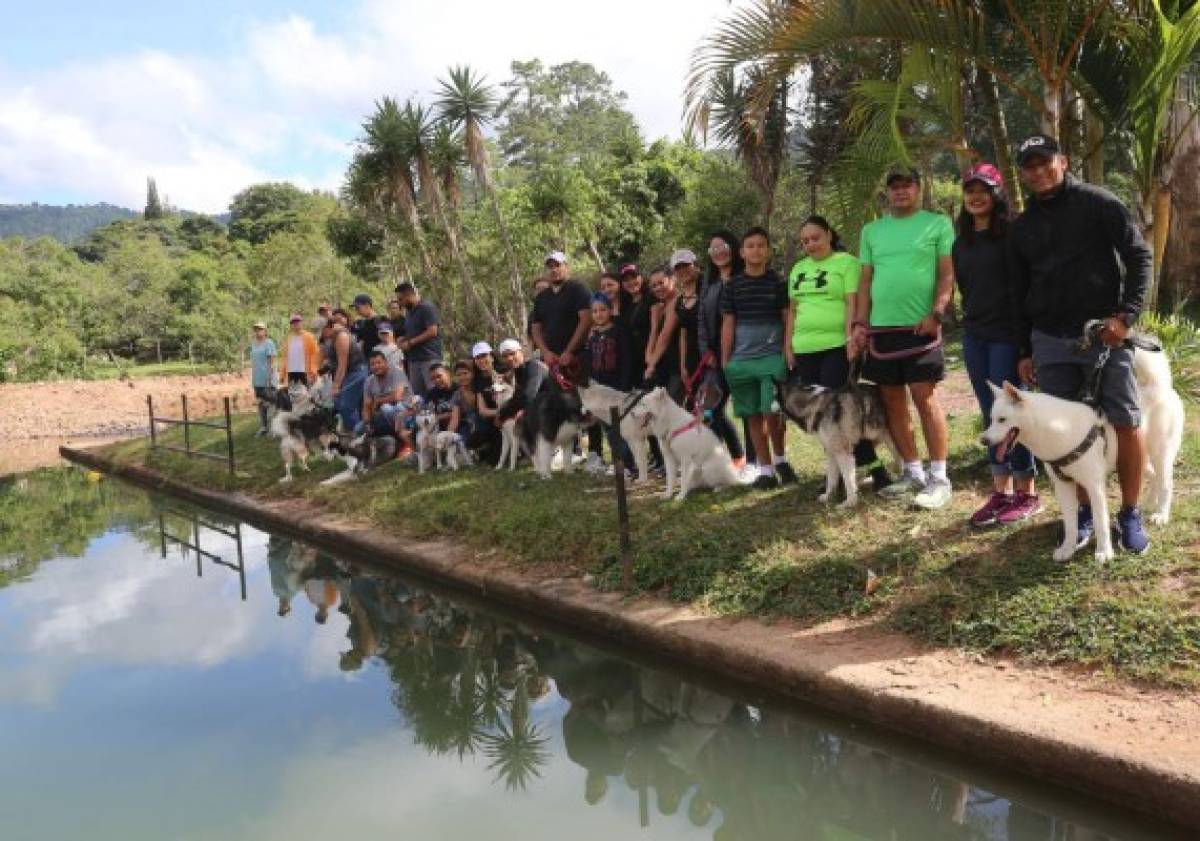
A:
[260, 211]
[154, 206]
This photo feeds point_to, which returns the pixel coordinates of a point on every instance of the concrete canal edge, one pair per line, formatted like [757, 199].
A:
[954, 702]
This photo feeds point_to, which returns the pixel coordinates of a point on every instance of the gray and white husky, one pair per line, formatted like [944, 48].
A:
[840, 418]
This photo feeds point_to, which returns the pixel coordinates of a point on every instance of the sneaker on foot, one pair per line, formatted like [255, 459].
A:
[595, 464]
[766, 482]
[786, 475]
[935, 494]
[988, 515]
[1132, 533]
[905, 485]
[880, 478]
[1022, 507]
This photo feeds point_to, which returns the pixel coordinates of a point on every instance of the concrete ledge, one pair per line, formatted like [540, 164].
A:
[1071, 731]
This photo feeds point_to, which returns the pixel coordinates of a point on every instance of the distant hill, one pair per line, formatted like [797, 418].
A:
[69, 223]
[66, 224]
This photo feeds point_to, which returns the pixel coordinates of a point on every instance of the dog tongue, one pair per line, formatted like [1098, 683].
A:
[1003, 447]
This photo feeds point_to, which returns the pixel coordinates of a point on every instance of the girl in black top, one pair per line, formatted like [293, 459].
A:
[991, 337]
[724, 263]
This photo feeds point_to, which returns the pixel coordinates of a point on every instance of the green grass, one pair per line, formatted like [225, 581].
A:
[112, 371]
[782, 554]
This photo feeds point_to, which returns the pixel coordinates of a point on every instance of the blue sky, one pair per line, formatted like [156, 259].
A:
[210, 97]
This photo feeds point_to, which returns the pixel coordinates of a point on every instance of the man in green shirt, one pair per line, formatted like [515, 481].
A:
[906, 284]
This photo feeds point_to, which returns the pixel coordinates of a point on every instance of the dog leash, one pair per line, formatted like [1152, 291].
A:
[899, 354]
[638, 394]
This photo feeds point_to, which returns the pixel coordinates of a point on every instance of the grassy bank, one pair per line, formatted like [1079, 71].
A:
[782, 554]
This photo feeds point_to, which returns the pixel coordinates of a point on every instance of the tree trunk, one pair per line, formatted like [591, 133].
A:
[1182, 259]
[1093, 162]
[595, 254]
[999, 128]
[1051, 106]
[518, 285]
[1159, 229]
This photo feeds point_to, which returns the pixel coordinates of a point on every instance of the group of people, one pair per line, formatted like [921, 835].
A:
[729, 329]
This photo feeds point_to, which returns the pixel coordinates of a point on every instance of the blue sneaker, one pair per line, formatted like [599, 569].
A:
[1131, 531]
[1084, 524]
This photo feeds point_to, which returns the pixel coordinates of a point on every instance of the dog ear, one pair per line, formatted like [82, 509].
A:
[997, 391]
[1013, 392]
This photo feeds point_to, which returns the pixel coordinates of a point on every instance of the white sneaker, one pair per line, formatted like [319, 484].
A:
[595, 464]
[905, 485]
[936, 494]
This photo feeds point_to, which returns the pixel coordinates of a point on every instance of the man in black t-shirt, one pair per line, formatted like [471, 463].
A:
[562, 315]
[422, 342]
[366, 328]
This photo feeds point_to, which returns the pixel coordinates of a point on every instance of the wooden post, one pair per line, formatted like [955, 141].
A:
[622, 505]
[150, 409]
[229, 447]
[187, 430]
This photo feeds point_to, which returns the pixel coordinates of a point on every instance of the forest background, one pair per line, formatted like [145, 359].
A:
[793, 108]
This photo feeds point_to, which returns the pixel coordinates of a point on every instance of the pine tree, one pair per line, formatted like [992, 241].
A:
[154, 207]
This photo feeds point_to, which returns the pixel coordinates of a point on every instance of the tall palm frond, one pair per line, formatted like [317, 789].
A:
[447, 157]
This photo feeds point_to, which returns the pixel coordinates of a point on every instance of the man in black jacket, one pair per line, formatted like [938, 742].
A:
[1080, 256]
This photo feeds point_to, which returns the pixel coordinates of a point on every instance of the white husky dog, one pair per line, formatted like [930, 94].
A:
[451, 451]
[1080, 447]
[688, 446]
[600, 400]
[510, 440]
[426, 441]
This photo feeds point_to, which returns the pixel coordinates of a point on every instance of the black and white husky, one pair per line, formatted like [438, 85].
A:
[839, 418]
[361, 453]
[551, 421]
[304, 427]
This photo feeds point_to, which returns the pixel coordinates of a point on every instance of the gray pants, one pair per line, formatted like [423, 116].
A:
[418, 375]
[1063, 370]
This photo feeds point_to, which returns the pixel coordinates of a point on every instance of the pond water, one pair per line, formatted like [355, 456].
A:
[260, 689]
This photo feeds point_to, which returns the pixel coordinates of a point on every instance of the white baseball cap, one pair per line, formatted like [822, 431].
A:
[480, 348]
[557, 257]
[682, 255]
[507, 345]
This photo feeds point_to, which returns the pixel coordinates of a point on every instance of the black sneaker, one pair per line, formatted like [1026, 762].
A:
[786, 475]
[766, 482]
[880, 478]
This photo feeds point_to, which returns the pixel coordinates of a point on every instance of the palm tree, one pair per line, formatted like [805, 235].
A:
[468, 102]
[384, 165]
[517, 749]
[447, 156]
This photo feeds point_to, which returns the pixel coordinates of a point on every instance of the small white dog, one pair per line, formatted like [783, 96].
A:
[1080, 447]
[426, 440]
[688, 446]
[451, 451]
[599, 400]
[510, 439]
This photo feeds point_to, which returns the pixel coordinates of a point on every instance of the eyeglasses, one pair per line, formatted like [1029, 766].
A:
[718, 249]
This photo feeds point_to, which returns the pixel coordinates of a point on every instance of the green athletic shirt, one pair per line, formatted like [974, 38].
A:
[820, 288]
[904, 253]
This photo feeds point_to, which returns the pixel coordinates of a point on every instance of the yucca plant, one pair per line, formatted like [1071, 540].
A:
[1180, 340]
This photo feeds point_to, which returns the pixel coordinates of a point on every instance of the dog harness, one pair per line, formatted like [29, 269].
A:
[687, 427]
[1057, 465]
[637, 398]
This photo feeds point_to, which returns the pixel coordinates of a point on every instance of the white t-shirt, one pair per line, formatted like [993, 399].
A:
[295, 351]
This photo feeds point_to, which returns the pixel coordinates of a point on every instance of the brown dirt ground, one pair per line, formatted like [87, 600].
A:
[35, 418]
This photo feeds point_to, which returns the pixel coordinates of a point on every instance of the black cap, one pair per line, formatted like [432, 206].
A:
[360, 300]
[1036, 144]
[897, 171]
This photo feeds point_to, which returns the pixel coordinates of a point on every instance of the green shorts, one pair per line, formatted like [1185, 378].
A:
[752, 384]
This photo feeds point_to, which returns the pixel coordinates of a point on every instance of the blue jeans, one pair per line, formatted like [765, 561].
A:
[996, 362]
[350, 398]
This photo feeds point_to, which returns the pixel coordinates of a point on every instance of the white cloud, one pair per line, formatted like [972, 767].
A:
[286, 99]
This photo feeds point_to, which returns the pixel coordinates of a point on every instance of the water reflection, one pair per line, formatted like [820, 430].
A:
[191, 546]
[465, 681]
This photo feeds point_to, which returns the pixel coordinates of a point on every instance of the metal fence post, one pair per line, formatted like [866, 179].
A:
[229, 441]
[150, 409]
[622, 503]
[187, 437]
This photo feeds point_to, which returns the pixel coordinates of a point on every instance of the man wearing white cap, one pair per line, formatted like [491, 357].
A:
[562, 314]
[529, 377]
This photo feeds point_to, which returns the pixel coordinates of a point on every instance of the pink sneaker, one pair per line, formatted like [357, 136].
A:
[1022, 507]
[986, 516]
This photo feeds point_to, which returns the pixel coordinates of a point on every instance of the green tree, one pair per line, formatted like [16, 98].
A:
[154, 207]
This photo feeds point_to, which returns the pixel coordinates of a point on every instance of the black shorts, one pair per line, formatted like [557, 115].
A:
[926, 367]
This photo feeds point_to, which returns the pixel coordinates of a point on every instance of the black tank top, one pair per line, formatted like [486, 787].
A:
[688, 318]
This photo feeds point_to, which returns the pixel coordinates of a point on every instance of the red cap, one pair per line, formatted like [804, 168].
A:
[629, 268]
[986, 174]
